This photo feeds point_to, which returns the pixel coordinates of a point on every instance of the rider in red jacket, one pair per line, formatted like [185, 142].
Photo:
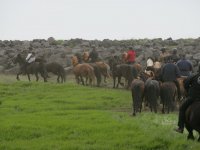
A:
[131, 56]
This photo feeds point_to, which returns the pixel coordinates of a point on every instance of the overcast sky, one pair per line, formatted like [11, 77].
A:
[99, 19]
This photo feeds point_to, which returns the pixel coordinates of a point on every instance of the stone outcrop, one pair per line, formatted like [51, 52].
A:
[61, 50]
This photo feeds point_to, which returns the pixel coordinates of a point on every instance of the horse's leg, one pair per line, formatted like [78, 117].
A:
[37, 77]
[83, 80]
[114, 80]
[29, 77]
[18, 76]
[58, 79]
[119, 81]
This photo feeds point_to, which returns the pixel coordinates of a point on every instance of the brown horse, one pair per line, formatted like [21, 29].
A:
[126, 71]
[182, 89]
[193, 119]
[85, 56]
[83, 70]
[137, 91]
[33, 68]
[56, 69]
[104, 69]
[168, 93]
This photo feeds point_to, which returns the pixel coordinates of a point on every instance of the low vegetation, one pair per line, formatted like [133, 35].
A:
[50, 116]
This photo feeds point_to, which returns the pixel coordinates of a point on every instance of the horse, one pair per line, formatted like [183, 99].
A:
[33, 68]
[168, 91]
[85, 56]
[137, 91]
[192, 120]
[104, 69]
[152, 92]
[126, 71]
[58, 70]
[182, 89]
[82, 70]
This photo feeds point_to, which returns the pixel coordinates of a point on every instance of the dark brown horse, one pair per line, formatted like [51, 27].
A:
[152, 93]
[33, 68]
[137, 91]
[168, 92]
[126, 71]
[56, 69]
[193, 119]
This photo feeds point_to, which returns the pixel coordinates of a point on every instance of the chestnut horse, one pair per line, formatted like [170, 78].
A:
[103, 67]
[83, 70]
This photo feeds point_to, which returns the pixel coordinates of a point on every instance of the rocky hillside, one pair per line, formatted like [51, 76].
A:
[61, 50]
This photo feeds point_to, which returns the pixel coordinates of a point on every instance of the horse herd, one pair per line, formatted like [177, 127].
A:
[39, 66]
[145, 88]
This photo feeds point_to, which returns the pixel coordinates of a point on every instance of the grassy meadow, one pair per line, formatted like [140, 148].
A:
[51, 116]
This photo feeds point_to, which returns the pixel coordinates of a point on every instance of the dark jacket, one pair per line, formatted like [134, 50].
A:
[192, 86]
[185, 67]
[170, 72]
[93, 55]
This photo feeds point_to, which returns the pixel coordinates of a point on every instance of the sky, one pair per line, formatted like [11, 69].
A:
[99, 19]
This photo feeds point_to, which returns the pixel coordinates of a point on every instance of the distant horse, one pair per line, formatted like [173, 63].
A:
[104, 69]
[56, 69]
[126, 71]
[124, 57]
[137, 91]
[33, 68]
[85, 56]
[82, 70]
[152, 92]
[193, 119]
[102, 66]
[168, 93]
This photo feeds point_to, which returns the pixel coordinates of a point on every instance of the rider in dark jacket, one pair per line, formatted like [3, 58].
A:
[192, 86]
[93, 56]
[170, 72]
[185, 66]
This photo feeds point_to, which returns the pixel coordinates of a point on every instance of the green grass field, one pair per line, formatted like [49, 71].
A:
[50, 116]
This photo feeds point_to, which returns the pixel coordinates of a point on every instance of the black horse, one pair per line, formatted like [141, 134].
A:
[32, 68]
[192, 121]
[58, 70]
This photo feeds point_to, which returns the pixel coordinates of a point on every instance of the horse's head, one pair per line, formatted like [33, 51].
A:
[17, 59]
[85, 56]
[124, 57]
[74, 60]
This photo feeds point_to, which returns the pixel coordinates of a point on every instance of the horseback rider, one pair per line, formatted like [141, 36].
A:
[192, 86]
[93, 56]
[185, 66]
[170, 72]
[131, 56]
[150, 64]
[30, 57]
[174, 55]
